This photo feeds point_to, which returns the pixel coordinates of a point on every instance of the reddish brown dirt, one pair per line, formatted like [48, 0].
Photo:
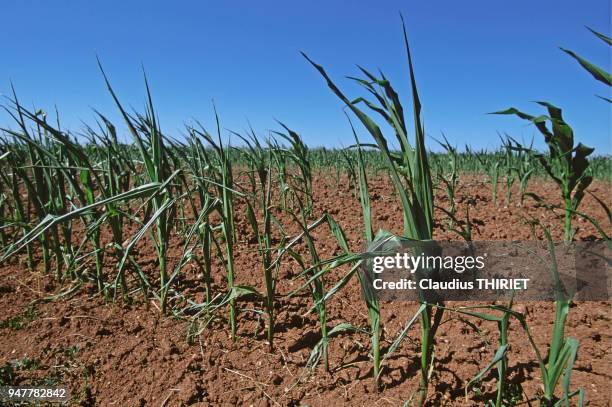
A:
[116, 354]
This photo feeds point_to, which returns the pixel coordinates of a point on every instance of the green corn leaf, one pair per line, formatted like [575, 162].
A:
[317, 350]
[601, 36]
[400, 337]
[597, 72]
[499, 355]
[152, 221]
[583, 184]
[572, 345]
[540, 121]
[341, 283]
[239, 291]
[604, 98]
[338, 233]
[603, 205]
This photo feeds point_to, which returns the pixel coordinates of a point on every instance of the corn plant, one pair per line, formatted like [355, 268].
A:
[298, 154]
[409, 172]
[509, 169]
[450, 178]
[221, 168]
[149, 139]
[279, 159]
[566, 164]
[500, 358]
[117, 178]
[557, 367]
[463, 228]
[372, 302]
[199, 164]
[199, 236]
[563, 350]
[314, 282]
[349, 165]
[260, 175]
[524, 166]
[492, 168]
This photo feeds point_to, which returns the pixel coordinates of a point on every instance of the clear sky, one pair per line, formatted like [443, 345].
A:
[471, 57]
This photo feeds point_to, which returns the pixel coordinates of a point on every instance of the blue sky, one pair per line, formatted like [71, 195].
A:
[471, 57]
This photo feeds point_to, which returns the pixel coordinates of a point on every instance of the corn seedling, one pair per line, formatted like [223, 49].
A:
[566, 164]
[298, 154]
[450, 179]
[260, 175]
[563, 350]
[409, 171]
[509, 169]
[224, 182]
[150, 142]
[491, 167]
[500, 359]
[372, 302]
[316, 284]
[349, 167]
[524, 167]
[199, 164]
[117, 169]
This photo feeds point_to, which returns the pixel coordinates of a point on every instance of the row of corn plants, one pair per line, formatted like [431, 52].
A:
[90, 204]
